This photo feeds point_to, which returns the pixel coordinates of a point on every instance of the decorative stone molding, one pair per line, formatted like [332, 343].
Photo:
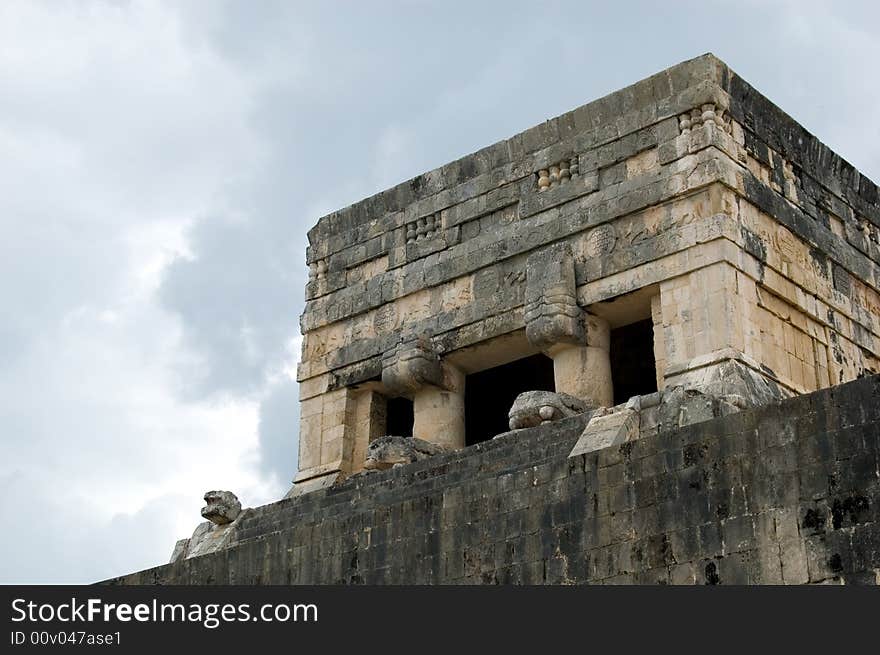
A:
[558, 173]
[703, 126]
[824, 201]
[786, 245]
[601, 240]
[704, 115]
[868, 230]
[317, 270]
[423, 228]
[410, 366]
[552, 314]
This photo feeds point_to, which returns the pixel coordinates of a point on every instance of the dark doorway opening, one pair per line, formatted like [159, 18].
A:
[633, 369]
[400, 417]
[489, 394]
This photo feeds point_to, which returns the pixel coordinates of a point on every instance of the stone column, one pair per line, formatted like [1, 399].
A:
[585, 371]
[439, 411]
[577, 341]
[413, 369]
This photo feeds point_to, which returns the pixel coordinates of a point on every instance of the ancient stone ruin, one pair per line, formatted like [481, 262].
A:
[606, 342]
[222, 510]
[682, 235]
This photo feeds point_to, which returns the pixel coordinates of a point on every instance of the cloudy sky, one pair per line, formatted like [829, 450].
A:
[160, 163]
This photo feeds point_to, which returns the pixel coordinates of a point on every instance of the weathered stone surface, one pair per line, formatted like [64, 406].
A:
[585, 371]
[223, 511]
[681, 406]
[784, 493]
[387, 452]
[607, 428]
[222, 507]
[686, 213]
[533, 408]
[180, 549]
[301, 487]
[410, 366]
[731, 382]
[750, 244]
[552, 314]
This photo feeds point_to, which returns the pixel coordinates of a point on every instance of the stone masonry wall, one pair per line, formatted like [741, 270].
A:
[787, 493]
[687, 198]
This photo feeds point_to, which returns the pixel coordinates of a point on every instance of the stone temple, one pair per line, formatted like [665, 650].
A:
[635, 343]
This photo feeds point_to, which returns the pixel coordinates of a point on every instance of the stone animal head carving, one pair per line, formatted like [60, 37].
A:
[532, 408]
[385, 452]
[223, 507]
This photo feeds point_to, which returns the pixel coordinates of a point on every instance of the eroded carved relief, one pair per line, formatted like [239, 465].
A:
[552, 314]
[410, 366]
[558, 173]
[222, 507]
[317, 270]
[869, 230]
[706, 114]
[388, 452]
[601, 241]
[385, 318]
[514, 278]
[787, 245]
[423, 228]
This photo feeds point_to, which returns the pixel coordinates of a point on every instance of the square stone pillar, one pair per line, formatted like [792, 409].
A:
[413, 369]
[370, 422]
[439, 411]
[719, 339]
[585, 371]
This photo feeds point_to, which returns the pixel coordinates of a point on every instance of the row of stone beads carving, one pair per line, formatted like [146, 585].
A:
[706, 114]
[423, 228]
[317, 270]
[870, 231]
[557, 174]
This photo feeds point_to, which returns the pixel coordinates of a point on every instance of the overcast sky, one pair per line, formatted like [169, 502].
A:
[161, 162]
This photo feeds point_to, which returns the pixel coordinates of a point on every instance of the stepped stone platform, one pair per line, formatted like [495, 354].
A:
[786, 493]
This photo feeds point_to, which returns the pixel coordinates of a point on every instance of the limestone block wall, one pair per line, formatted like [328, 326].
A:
[786, 493]
[687, 199]
[816, 218]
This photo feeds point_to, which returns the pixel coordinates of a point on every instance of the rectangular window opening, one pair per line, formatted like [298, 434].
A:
[633, 367]
[489, 394]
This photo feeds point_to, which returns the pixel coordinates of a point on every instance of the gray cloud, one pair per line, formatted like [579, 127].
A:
[69, 544]
[237, 299]
[279, 421]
